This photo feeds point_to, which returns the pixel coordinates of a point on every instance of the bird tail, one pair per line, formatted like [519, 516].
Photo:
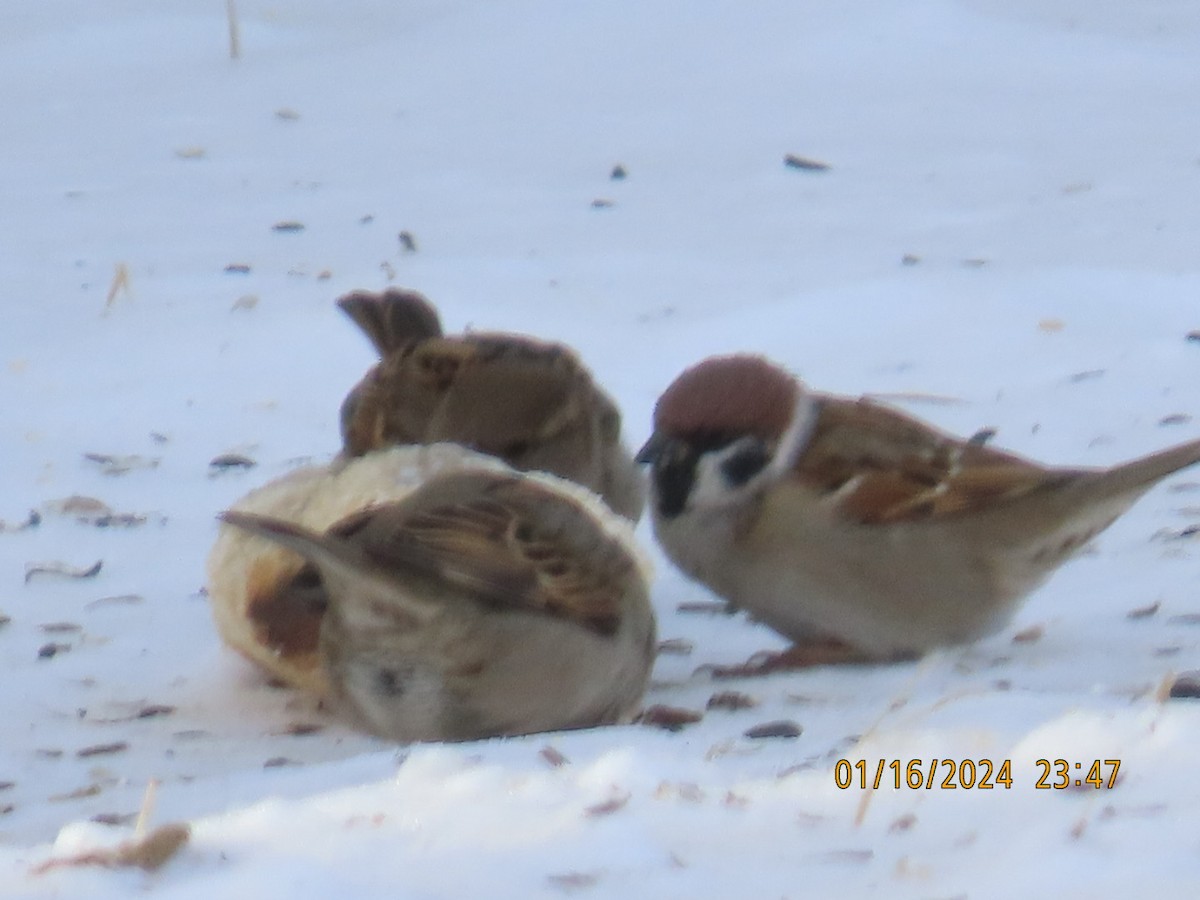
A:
[309, 544]
[1139, 475]
[392, 319]
[356, 587]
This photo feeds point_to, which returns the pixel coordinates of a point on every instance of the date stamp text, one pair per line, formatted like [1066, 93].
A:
[972, 774]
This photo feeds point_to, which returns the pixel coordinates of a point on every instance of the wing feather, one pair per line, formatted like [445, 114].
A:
[878, 465]
[496, 553]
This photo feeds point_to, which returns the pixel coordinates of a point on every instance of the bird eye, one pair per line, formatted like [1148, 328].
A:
[744, 463]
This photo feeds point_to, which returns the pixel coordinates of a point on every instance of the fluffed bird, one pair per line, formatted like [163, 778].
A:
[483, 603]
[267, 602]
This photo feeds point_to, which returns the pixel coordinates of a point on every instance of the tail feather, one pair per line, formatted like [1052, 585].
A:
[392, 319]
[309, 544]
[1141, 474]
[1078, 504]
[354, 585]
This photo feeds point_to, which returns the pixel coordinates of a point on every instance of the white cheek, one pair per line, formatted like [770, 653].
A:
[711, 490]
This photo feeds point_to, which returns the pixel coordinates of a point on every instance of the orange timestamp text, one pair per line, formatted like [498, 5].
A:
[971, 774]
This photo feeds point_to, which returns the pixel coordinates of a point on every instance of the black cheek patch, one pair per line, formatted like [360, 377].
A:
[674, 483]
[745, 464]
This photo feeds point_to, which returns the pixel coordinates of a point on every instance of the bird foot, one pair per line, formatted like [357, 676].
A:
[806, 655]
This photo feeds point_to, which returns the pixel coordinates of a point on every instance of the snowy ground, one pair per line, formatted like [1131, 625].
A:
[1006, 237]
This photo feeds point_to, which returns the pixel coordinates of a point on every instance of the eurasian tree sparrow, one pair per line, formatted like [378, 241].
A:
[484, 603]
[267, 602]
[841, 521]
[530, 403]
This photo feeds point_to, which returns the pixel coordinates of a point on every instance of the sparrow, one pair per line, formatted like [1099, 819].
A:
[855, 529]
[530, 403]
[267, 602]
[483, 604]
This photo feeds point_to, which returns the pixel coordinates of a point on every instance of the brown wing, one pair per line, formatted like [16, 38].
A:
[879, 465]
[511, 544]
[504, 403]
[499, 394]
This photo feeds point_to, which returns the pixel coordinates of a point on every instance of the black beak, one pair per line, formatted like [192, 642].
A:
[651, 450]
[673, 473]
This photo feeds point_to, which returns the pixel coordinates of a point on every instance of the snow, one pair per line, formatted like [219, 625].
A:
[1006, 237]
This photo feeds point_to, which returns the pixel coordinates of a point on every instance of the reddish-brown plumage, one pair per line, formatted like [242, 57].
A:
[285, 617]
[740, 394]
